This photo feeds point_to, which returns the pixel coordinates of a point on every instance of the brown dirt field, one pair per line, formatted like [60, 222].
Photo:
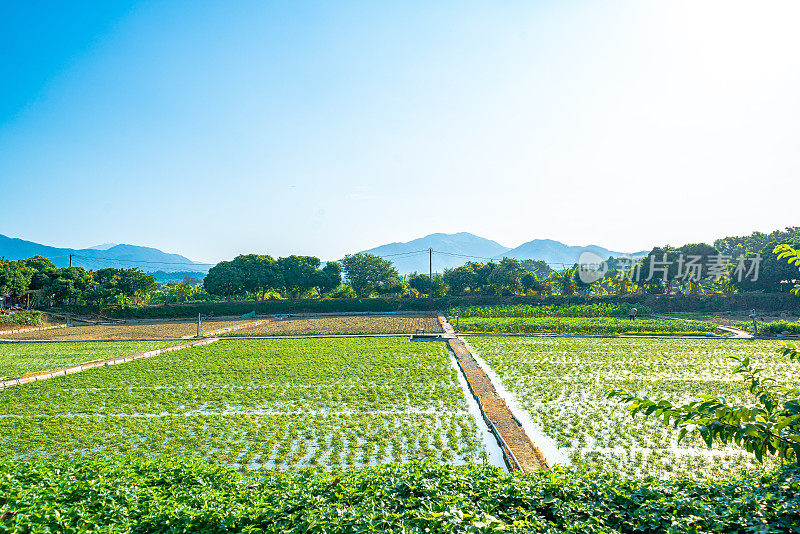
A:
[345, 324]
[131, 330]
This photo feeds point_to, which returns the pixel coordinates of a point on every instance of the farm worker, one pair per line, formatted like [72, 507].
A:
[632, 314]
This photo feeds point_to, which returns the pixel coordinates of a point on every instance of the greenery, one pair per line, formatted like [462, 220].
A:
[368, 273]
[258, 275]
[584, 325]
[17, 359]
[767, 425]
[26, 318]
[604, 309]
[561, 385]
[253, 404]
[167, 496]
[771, 327]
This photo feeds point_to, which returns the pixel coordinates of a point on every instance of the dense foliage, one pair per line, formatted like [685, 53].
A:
[20, 318]
[771, 327]
[137, 496]
[257, 275]
[368, 273]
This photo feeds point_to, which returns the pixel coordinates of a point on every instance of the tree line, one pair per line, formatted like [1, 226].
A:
[258, 277]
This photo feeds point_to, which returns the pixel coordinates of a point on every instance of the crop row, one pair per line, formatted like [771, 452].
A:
[772, 327]
[584, 325]
[601, 309]
[345, 324]
[17, 359]
[561, 385]
[253, 403]
[248, 441]
[131, 330]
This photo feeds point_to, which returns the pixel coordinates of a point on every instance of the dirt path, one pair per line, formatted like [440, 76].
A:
[517, 447]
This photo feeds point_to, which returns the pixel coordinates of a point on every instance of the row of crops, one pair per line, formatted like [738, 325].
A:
[253, 404]
[585, 325]
[601, 309]
[772, 327]
[561, 383]
[18, 359]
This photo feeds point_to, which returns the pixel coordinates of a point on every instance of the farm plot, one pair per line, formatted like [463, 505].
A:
[560, 384]
[584, 325]
[131, 330]
[18, 359]
[253, 403]
[345, 324]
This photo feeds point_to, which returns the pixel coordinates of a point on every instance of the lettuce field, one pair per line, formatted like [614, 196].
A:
[561, 385]
[18, 359]
[253, 404]
[585, 325]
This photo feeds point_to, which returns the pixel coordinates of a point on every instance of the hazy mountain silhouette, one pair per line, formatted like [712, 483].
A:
[454, 250]
[120, 256]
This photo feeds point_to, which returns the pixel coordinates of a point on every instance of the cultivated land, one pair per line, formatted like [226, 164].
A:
[644, 326]
[131, 330]
[253, 403]
[561, 384]
[345, 324]
[19, 359]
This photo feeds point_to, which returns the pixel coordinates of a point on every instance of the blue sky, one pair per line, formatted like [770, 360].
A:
[218, 128]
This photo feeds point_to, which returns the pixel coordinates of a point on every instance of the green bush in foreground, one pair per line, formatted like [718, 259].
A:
[127, 496]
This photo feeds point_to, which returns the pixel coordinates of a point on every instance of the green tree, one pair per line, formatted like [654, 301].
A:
[461, 278]
[224, 279]
[259, 274]
[506, 276]
[367, 273]
[15, 278]
[299, 274]
[328, 278]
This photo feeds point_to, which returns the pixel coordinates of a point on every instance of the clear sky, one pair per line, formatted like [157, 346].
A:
[217, 128]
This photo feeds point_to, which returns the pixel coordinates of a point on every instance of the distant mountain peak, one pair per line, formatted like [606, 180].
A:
[104, 246]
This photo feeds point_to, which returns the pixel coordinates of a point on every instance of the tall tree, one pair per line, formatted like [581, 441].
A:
[299, 274]
[367, 273]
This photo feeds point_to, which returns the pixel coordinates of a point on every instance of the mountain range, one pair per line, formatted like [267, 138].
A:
[449, 251]
[454, 250]
[107, 255]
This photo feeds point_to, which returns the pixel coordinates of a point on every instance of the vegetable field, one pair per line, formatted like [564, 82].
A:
[603, 309]
[175, 328]
[561, 382]
[18, 359]
[584, 325]
[345, 324]
[253, 404]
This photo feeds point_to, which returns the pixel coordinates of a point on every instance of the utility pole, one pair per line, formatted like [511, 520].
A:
[198, 324]
[430, 264]
[70, 259]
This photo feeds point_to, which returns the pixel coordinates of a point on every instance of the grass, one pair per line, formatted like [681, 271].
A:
[584, 325]
[253, 404]
[18, 359]
[561, 385]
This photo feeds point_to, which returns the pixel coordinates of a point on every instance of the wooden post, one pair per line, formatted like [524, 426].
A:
[198, 324]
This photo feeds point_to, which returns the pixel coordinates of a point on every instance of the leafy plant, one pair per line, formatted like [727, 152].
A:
[770, 426]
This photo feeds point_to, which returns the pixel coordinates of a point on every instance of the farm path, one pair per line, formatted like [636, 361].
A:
[521, 453]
